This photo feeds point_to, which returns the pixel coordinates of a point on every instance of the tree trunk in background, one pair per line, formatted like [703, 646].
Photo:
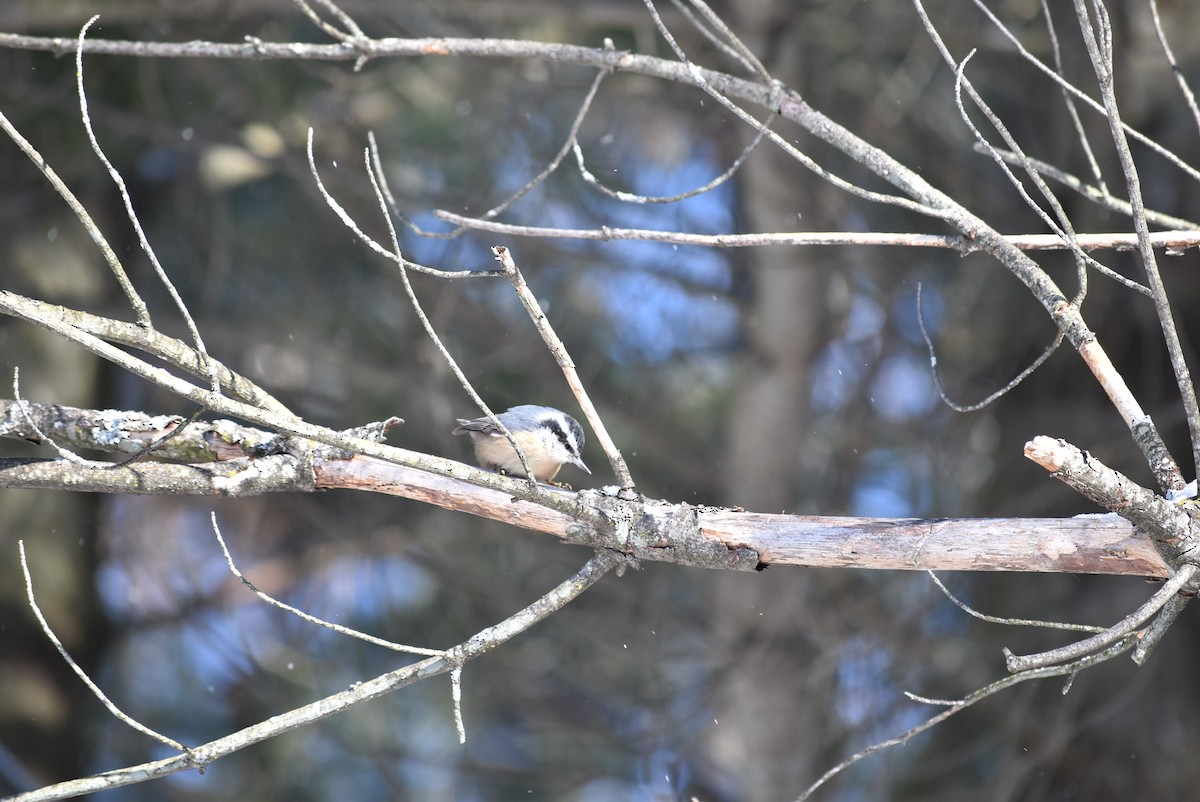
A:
[59, 531]
[762, 708]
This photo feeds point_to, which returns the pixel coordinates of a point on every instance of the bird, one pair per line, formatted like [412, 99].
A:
[549, 438]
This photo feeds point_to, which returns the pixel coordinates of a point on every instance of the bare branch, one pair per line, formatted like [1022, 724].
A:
[1175, 241]
[99, 694]
[978, 696]
[1100, 52]
[559, 350]
[1125, 627]
[141, 314]
[1168, 524]
[1188, 95]
[937, 375]
[1014, 622]
[312, 619]
[483, 641]
[1100, 196]
[706, 537]
[132, 215]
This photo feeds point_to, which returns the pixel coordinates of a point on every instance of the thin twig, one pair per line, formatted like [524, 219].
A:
[99, 694]
[978, 405]
[1184, 87]
[1072, 109]
[456, 698]
[729, 42]
[43, 438]
[1100, 53]
[1017, 622]
[85, 116]
[559, 350]
[312, 619]
[592, 572]
[778, 90]
[570, 142]
[366, 239]
[1124, 627]
[728, 46]
[633, 197]
[1097, 195]
[140, 312]
[1173, 241]
[957, 707]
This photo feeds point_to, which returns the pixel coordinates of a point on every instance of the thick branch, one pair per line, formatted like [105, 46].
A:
[677, 533]
[257, 462]
[1168, 525]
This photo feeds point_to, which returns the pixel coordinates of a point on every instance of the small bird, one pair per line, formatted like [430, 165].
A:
[550, 439]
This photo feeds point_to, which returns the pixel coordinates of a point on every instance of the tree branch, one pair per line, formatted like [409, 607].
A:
[201, 756]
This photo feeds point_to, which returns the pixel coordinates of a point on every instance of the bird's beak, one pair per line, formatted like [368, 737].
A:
[578, 463]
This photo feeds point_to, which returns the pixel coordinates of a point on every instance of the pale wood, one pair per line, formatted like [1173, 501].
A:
[1085, 544]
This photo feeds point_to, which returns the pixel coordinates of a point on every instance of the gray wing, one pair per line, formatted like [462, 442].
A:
[481, 425]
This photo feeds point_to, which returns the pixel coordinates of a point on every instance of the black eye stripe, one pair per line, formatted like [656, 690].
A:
[569, 442]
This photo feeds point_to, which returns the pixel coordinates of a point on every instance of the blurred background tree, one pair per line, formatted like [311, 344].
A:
[778, 379]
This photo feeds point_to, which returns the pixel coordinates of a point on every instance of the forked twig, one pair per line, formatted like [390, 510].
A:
[958, 706]
[1121, 629]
